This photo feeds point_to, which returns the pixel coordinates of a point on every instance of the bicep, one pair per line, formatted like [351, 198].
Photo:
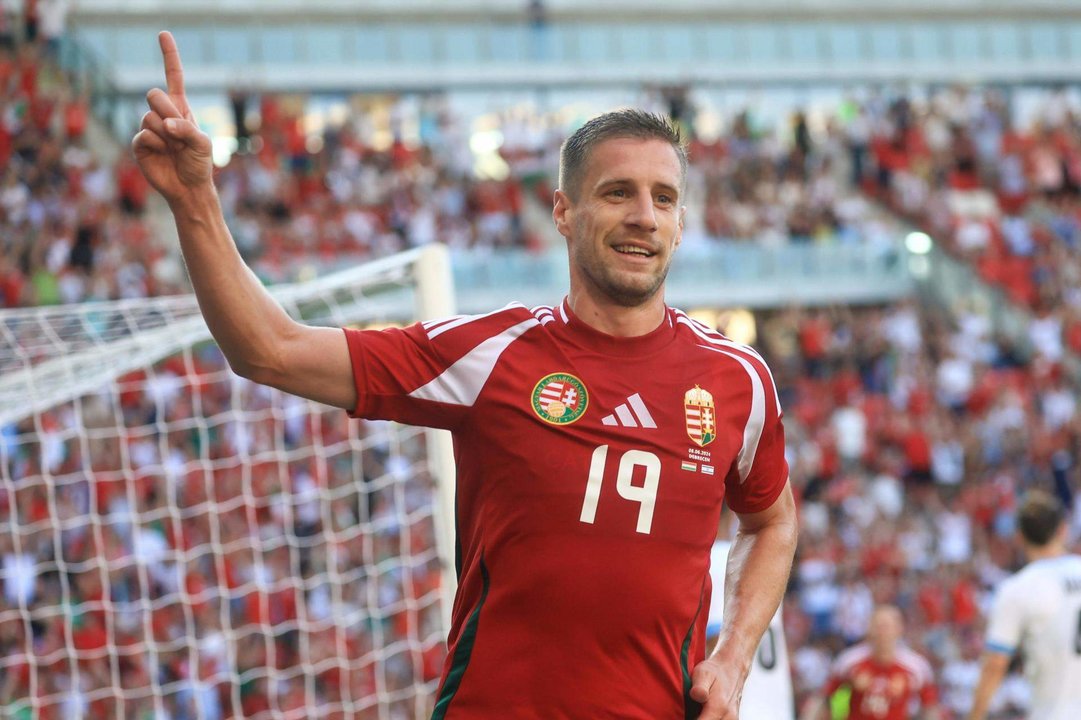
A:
[315, 364]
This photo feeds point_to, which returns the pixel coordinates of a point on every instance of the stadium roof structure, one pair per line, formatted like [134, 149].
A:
[338, 46]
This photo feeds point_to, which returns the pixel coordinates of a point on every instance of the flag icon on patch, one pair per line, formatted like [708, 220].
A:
[700, 415]
[707, 469]
[689, 466]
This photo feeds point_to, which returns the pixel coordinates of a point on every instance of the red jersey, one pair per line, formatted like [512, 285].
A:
[591, 473]
[883, 691]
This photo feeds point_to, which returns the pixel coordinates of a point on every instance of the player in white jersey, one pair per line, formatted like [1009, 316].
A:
[1037, 612]
[767, 694]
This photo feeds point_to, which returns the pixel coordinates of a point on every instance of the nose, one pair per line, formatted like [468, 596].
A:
[641, 213]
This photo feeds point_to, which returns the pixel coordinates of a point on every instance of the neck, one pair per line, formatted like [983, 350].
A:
[1050, 550]
[613, 319]
[883, 655]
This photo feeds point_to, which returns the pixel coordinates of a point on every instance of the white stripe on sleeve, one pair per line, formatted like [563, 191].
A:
[461, 383]
[756, 418]
[716, 338]
[434, 332]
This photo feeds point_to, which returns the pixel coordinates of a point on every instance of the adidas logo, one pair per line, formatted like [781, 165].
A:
[637, 414]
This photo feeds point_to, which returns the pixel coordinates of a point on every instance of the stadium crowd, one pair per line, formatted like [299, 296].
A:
[72, 223]
[338, 197]
[911, 432]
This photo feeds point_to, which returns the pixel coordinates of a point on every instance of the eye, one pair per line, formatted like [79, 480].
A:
[617, 193]
[665, 199]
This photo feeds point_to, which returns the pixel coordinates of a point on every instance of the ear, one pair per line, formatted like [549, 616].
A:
[562, 213]
[679, 226]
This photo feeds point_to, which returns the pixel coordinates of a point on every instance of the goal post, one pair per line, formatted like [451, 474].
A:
[178, 542]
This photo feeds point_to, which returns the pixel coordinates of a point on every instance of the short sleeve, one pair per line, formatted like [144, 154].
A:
[1004, 625]
[390, 364]
[924, 678]
[760, 471]
[431, 373]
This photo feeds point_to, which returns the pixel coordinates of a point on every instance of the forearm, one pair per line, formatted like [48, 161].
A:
[244, 319]
[992, 671]
[758, 568]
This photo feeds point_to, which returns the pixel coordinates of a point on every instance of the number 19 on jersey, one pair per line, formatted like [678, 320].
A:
[645, 495]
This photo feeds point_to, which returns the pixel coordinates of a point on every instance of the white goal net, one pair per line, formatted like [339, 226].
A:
[179, 543]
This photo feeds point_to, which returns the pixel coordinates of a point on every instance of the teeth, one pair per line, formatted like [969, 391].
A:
[632, 250]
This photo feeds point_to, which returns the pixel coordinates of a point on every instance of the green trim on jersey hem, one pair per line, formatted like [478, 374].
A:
[691, 709]
[462, 652]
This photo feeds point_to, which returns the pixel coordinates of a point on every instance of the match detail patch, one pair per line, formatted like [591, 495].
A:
[700, 414]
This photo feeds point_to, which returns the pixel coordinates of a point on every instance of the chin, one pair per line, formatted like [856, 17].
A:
[631, 295]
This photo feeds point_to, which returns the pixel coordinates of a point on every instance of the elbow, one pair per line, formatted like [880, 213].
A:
[264, 367]
[249, 370]
[262, 358]
[260, 369]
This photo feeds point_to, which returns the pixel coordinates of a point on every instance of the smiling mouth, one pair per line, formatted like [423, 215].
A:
[632, 250]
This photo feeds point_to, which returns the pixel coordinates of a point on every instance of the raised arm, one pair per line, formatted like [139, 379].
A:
[258, 338]
[758, 568]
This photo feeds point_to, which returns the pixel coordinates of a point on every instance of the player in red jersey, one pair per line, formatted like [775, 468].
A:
[595, 440]
[885, 677]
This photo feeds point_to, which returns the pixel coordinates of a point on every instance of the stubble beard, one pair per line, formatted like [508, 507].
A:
[623, 291]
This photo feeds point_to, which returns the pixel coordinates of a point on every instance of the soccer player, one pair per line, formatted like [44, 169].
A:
[595, 440]
[883, 675]
[1038, 612]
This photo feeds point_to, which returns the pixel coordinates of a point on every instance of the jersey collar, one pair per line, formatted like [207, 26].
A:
[589, 337]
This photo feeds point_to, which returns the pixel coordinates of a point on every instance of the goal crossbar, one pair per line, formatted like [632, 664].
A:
[68, 370]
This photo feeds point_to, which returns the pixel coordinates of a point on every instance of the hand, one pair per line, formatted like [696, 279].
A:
[718, 688]
[172, 152]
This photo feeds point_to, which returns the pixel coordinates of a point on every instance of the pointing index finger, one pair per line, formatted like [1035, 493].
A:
[174, 72]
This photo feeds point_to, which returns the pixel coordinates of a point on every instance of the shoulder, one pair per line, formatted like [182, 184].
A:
[851, 657]
[717, 346]
[544, 314]
[1041, 573]
[468, 331]
[710, 340]
[914, 663]
[1036, 574]
[490, 322]
[1013, 586]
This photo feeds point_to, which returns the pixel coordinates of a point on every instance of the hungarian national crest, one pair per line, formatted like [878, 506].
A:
[559, 398]
[701, 416]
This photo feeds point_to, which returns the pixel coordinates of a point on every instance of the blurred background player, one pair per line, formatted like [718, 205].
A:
[767, 693]
[1037, 612]
[885, 678]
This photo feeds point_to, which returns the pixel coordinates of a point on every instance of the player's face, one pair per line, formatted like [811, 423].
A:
[886, 628]
[626, 221]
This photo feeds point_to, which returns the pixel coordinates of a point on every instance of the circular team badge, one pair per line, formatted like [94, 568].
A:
[559, 398]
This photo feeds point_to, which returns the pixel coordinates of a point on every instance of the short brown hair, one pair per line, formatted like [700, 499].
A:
[1039, 517]
[628, 123]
